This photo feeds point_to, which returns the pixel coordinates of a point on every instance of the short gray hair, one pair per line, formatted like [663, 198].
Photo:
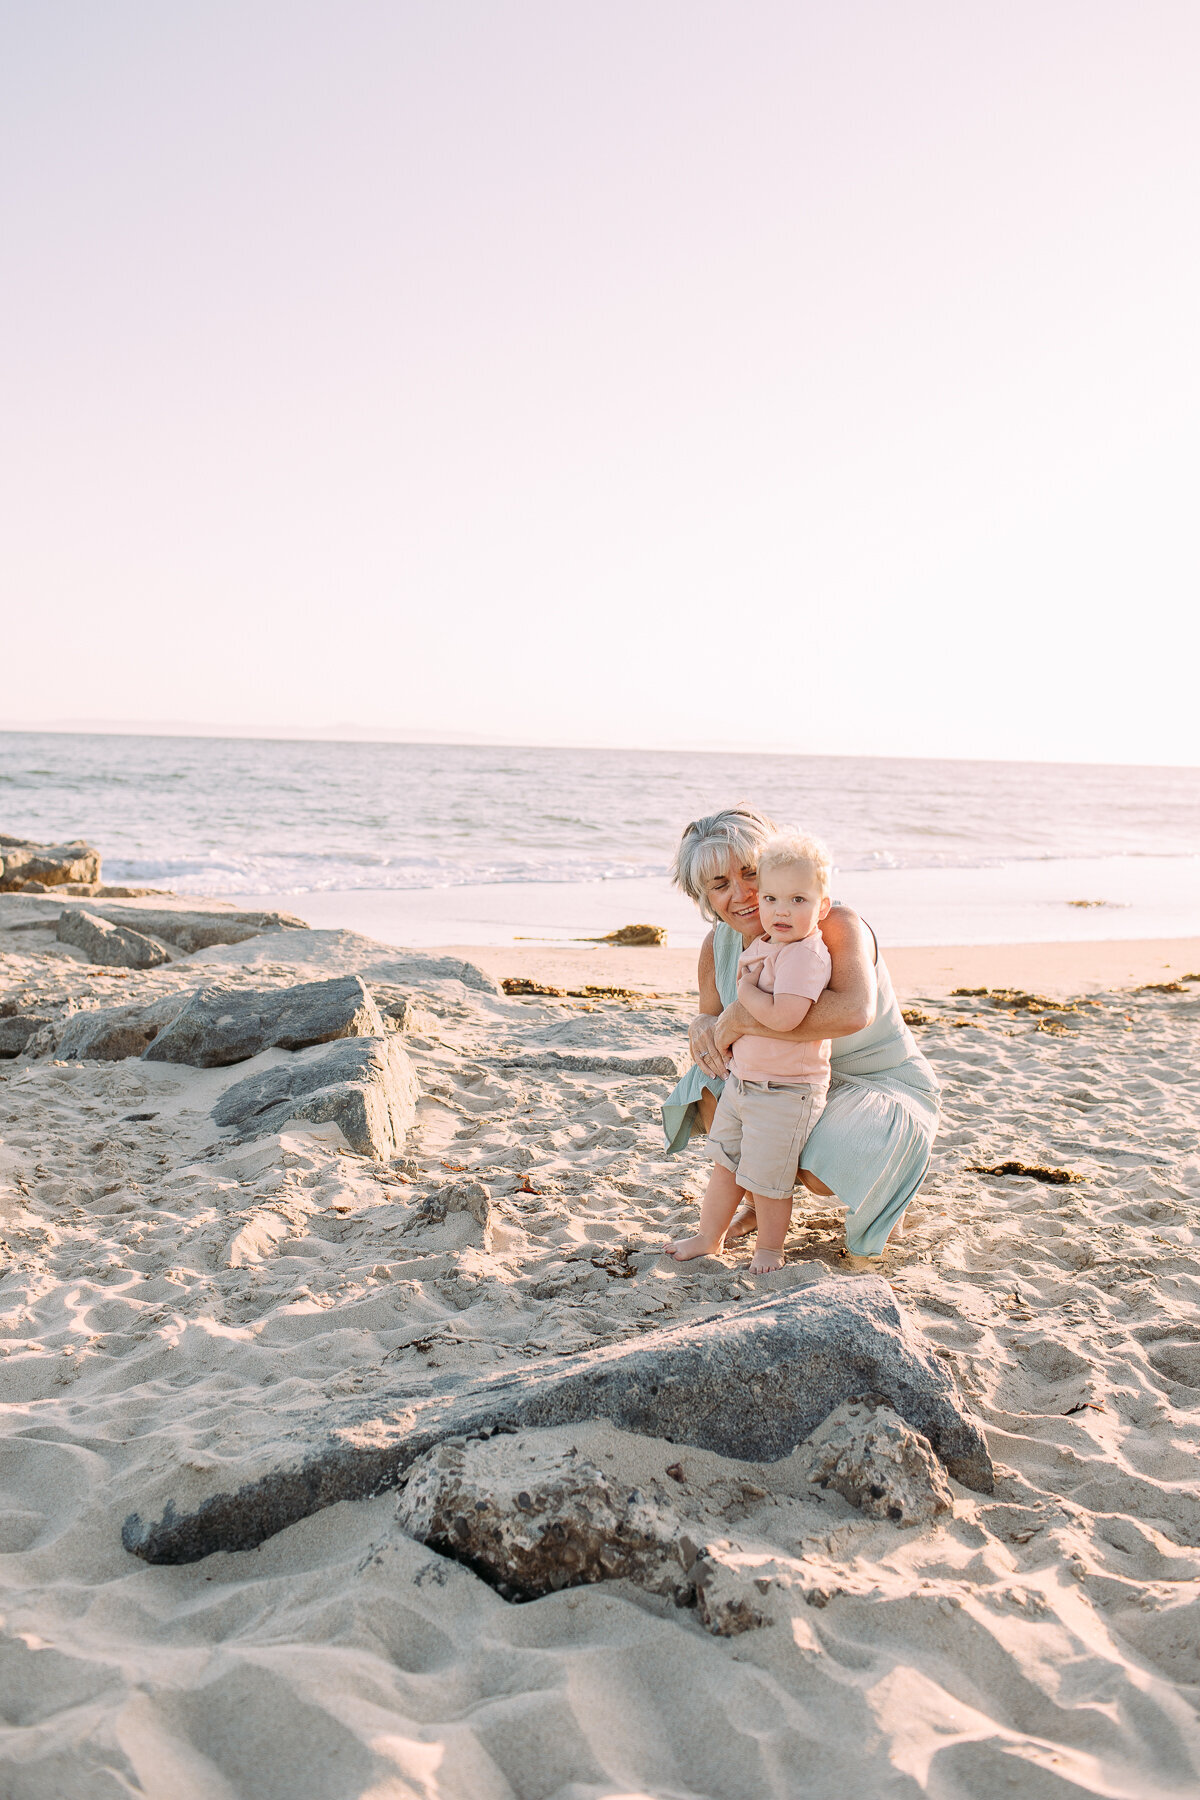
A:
[709, 845]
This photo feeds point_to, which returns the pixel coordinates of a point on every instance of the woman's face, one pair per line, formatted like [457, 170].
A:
[733, 896]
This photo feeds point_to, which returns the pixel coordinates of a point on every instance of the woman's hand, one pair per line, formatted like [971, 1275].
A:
[733, 1023]
[702, 1042]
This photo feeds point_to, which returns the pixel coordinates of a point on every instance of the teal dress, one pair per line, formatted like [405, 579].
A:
[871, 1144]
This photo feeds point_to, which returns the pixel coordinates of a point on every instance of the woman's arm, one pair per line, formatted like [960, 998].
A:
[701, 1032]
[846, 1006]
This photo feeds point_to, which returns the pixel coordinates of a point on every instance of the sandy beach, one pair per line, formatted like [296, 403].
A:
[183, 1309]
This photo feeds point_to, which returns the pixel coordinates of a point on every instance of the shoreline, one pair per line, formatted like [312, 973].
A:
[919, 971]
[925, 971]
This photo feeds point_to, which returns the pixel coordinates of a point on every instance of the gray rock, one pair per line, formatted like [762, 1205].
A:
[222, 1025]
[584, 1060]
[49, 864]
[457, 1196]
[874, 1460]
[365, 1085]
[111, 1033]
[532, 1520]
[751, 1384]
[114, 946]
[16, 1029]
[398, 1014]
[189, 931]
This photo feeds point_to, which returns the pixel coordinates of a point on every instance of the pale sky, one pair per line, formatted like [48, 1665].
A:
[807, 375]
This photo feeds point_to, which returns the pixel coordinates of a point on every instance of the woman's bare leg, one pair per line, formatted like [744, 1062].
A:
[716, 1210]
[774, 1217]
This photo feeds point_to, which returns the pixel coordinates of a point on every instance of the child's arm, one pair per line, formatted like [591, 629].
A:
[779, 1012]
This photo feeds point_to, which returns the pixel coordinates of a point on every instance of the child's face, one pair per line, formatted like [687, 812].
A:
[791, 903]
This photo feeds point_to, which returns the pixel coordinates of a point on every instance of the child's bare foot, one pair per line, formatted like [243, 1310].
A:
[744, 1221]
[763, 1261]
[683, 1249]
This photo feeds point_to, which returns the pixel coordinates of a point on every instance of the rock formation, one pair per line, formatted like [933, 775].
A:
[189, 931]
[111, 1033]
[51, 865]
[879, 1464]
[750, 1384]
[17, 1028]
[221, 1025]
[114, 946]
[364, 1085]
[531, 1520]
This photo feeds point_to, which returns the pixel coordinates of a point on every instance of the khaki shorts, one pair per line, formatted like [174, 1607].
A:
[759, 1130]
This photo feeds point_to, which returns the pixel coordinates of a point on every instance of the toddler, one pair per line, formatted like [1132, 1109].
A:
[775, 1091]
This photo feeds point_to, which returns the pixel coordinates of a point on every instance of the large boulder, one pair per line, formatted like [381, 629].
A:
[189, 931]
[50, 864]
[364, 1085]
[114, 946]
[222, 1025]
[111, 1033]
[750, 1384]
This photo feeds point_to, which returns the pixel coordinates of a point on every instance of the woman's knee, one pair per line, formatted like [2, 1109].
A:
[815, 1185]
[706, 1106]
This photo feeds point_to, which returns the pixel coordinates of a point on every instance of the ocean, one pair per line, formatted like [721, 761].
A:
[423, 844]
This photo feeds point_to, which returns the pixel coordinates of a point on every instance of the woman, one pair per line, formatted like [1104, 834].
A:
[870, 1147]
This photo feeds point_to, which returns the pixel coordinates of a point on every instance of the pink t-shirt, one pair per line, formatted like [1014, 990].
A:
[801, 967]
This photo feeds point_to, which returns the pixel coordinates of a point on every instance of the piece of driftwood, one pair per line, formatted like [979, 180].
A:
[751, 1383]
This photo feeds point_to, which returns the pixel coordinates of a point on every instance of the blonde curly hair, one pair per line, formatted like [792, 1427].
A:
[797, 847]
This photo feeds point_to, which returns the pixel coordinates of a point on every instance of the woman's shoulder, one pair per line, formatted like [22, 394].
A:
[843, 929]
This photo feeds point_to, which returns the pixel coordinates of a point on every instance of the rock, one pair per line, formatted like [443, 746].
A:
[140, 893]
[16, 1029]
[111, 1033]
[114, 946]
[366, 1085]
[532, 1520]
[189, 931]
[869, 1456]
[751, 1384]
[635, 936]
[620, 1065]
[725, 1594]
[222, 1025]
[49, 864]
[458, 1196]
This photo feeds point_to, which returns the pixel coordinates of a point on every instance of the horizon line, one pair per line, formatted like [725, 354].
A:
[379, 734]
